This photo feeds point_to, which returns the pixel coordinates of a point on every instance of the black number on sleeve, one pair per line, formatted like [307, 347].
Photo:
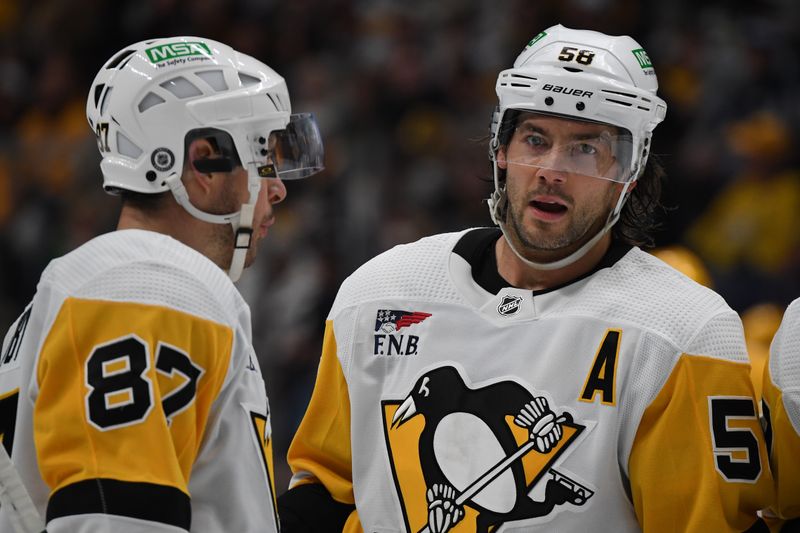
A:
[120, 392]
[8, 418]
[171, 361]
[9, 354]
[735, 448]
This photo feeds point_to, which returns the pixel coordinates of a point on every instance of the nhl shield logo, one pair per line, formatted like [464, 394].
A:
[509, 305]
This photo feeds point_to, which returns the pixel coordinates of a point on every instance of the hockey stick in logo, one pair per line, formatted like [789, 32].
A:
[15, 498]
[490, 475]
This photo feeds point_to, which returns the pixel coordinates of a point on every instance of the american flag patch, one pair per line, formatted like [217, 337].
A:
[390, 320]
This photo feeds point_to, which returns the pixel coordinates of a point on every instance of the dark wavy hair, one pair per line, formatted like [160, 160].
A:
[642, 212]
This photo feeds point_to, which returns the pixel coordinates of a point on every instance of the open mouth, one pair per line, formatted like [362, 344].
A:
[549, 207]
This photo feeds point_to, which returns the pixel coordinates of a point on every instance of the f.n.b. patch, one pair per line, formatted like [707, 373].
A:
[388, 322]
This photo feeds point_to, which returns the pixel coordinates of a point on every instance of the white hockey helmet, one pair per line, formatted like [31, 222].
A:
[150, 95]
[587, 76]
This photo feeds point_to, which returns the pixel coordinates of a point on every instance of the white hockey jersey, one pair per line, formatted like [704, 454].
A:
[418, 413]
[131, 399]
[782, 409]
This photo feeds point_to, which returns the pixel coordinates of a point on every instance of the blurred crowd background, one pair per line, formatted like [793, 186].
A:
[403, 92]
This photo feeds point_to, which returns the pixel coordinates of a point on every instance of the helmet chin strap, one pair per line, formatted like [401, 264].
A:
[241, 221]
[500, 198]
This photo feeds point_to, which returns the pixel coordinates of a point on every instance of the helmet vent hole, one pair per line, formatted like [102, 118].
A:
[271, 99]
[626, 95]
[573, 69]
[618, 102]
[98, 90]
[149, 100]
[281, 107]
[126, 147]
[214, 78]
[181, 87]
[106, 99]
[118, 59]
[248, 80]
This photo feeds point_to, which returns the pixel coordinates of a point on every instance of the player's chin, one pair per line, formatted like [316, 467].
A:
[251, 254]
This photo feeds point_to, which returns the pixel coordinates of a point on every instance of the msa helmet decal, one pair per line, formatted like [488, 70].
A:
[469, 458]
[642, 58]
[167, 51]
[535, 39]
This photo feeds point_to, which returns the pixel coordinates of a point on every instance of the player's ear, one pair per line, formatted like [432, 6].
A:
[501, 158]
[199, 149]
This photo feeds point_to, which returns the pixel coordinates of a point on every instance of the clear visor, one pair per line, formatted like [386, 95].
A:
[566, 145]
[291, 153]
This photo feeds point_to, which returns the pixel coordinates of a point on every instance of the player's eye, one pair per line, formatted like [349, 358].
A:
[534, 140]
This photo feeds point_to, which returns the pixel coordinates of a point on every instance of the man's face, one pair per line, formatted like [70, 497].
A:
[272, 192]
[556, 202]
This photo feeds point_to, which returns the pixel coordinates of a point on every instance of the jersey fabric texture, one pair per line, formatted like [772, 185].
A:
[782, 409]
[433, 392]
[131, 399]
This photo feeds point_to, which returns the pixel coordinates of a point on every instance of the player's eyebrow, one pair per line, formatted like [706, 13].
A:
[528, 127]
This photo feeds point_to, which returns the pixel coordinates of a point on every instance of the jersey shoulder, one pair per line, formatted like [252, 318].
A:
[147, 268]
[415, 271]
[784, 363]
[644, 291]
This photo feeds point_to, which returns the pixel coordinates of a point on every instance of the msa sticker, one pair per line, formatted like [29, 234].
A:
[165, 52]
[642, 58]
[509, 305]
[536, 39]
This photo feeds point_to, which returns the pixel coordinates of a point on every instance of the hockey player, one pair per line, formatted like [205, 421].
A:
[131, 399]
[546, 375]
[781, 406]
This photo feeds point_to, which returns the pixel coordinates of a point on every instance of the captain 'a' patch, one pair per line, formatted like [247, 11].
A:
[468, 458]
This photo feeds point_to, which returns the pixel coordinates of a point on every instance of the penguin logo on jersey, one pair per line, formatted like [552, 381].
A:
[469, 459]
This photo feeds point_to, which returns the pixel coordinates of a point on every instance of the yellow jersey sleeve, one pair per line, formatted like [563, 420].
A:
[125, 391]
[320, 451]
[699, 461]
[784, 451]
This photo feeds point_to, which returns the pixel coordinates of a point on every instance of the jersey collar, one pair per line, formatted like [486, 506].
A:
[473, 269]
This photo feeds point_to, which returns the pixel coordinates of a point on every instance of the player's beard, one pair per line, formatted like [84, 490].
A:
[584, 221]
[223, 237]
